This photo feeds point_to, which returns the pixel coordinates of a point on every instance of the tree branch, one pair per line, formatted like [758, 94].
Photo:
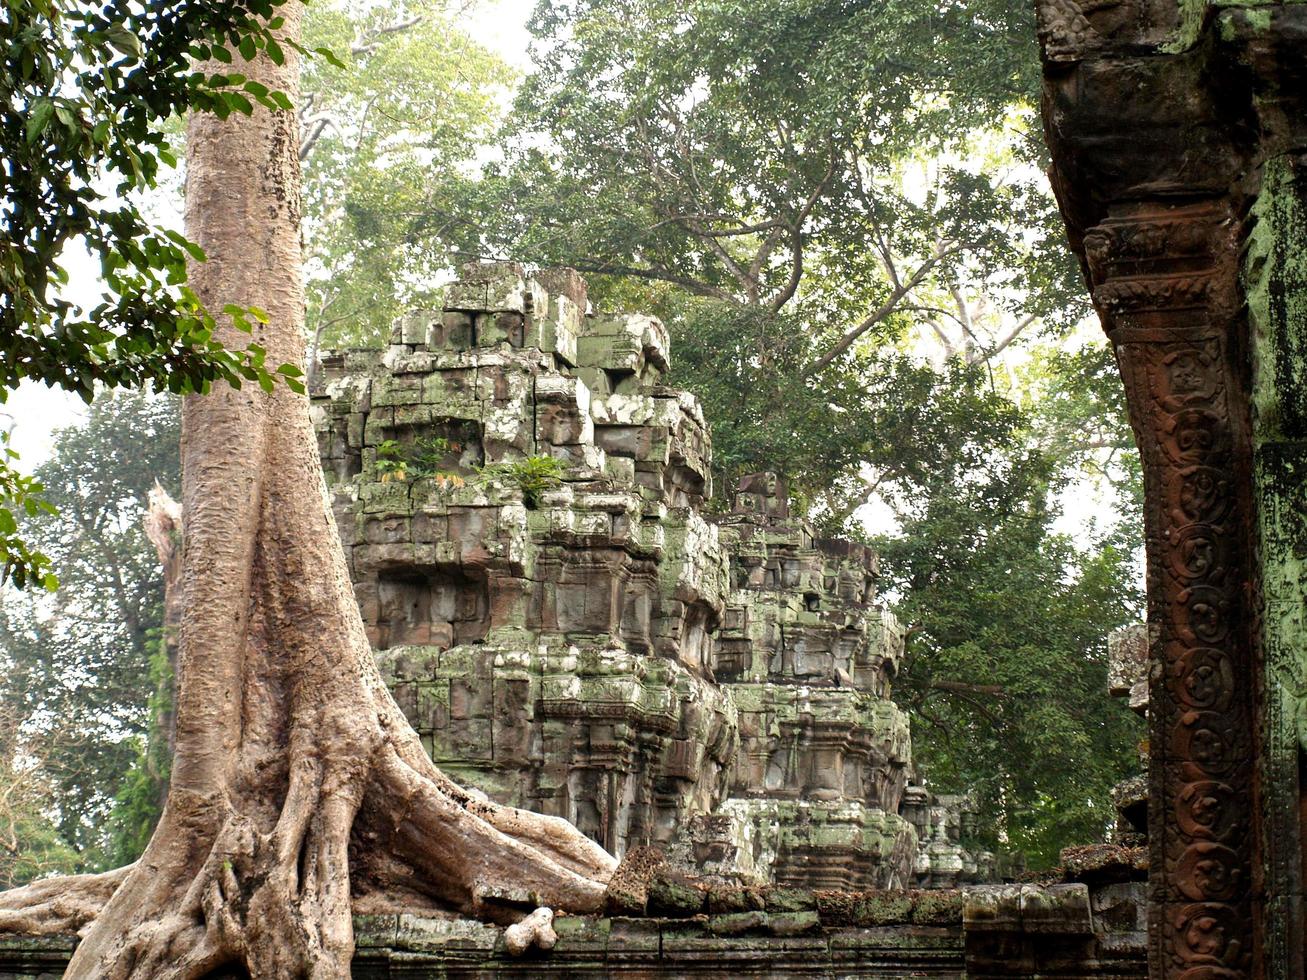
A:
[1010, 336]
[796, 273]
[312, 132]
[600, 267]
[368, 43]
[961, 687]
[882, 311]
[796, 243]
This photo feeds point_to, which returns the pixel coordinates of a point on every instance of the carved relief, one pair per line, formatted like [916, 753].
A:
[1188, 104]
[1064, 30]
[1161, 283]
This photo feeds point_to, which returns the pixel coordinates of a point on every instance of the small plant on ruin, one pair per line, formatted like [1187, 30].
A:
[391, 461]
[427, 455]
[532, 475]
[421, 460]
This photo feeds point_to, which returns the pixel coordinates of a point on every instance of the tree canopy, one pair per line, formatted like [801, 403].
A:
[844, 157]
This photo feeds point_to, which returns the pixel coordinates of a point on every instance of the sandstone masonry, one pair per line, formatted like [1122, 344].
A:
[523, 502]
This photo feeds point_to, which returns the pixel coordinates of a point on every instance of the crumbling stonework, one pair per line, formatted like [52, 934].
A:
[946, 829]
[546, 631]
[808, 659]
[523, 504]
[1127, 677]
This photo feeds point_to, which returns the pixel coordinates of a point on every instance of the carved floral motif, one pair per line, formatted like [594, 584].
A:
[1158, 279]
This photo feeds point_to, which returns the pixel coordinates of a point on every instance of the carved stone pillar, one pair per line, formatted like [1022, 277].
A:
[1165, 279]
[1178, 132]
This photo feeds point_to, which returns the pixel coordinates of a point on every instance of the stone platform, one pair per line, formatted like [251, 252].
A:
[1067, 932]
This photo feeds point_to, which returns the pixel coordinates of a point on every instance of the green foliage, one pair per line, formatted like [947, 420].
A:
[876, 423]
[429, 454]
[425, 457]
[391, 461]
[386, 136]
[76, 665]
[532, 475]
[1005, 673]
[1079, 411]
[30, 844]
[19, 494]
[84, 89]
[139, 801]
[846, 160]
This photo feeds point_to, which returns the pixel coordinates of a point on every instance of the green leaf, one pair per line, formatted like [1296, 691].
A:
[124, 40]
[247, 48]
[38, 118]
[330, 56]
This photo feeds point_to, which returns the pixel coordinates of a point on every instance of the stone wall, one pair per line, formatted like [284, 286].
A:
[525, 509]
[1069, 931]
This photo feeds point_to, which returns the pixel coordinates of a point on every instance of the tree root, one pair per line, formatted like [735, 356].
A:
[537, 929]
[267, 882]
[275, 899]
[466, 851]
[58, 905]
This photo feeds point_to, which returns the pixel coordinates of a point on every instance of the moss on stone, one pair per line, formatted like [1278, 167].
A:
[941, 908]
[782, 900]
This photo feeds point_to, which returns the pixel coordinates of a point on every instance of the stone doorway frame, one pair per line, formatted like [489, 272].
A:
[1178, 134]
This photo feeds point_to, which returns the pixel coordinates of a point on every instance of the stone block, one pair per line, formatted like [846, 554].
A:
[451, 331]
[420, 934]
[992, 908]
[501, 287]
[1127, 665]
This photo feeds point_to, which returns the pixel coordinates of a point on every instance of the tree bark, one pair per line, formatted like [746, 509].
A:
[297, 785]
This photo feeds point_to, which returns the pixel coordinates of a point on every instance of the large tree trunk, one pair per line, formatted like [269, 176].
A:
[297, 784]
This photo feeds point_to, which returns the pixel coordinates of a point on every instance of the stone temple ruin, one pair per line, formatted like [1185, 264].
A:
[571, 628]
[524, 506]
[717, 683]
